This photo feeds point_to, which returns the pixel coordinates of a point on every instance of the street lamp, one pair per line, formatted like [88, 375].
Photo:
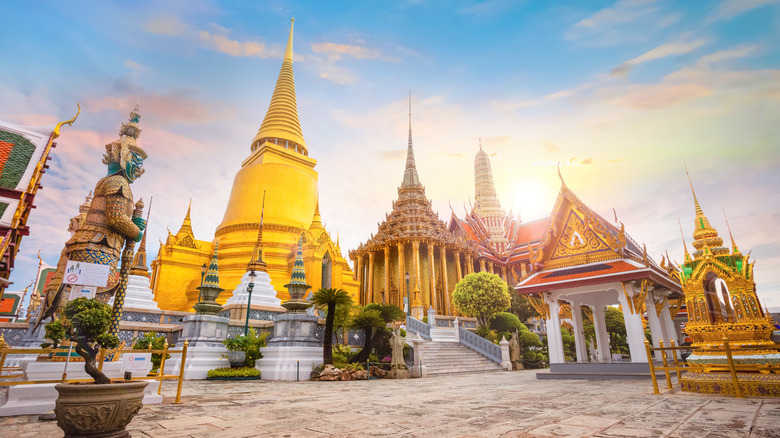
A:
[406, 298]
[249, 288]
[202, 274]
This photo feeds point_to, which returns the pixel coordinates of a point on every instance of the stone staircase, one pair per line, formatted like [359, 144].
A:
[451, 357]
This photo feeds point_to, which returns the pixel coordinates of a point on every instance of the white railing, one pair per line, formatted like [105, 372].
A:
[480, 345]
[416, 326]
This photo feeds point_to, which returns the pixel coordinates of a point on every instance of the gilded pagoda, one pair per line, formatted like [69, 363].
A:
[412, 253]
[278, 167]
[721, 299]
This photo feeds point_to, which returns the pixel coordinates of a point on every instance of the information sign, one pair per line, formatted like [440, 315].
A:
[86, 274]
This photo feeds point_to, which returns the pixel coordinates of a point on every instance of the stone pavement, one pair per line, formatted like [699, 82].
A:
[498, 404]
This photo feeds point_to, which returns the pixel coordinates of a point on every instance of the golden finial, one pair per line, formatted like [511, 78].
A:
[685, 246]
[563, 183]
[699, 211]
[56, 132]
[734, 248]
[3, 344]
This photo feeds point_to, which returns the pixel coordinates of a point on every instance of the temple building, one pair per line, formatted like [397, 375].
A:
[584, 260]
[722, 303]
[279, 173]
[412, 253]
[502, 240]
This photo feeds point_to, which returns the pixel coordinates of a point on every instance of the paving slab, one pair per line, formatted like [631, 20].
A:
[499, 404]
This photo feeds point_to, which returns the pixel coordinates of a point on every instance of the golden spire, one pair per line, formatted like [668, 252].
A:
[257, 263]
[186, 226]
[281, 125]
[410, 172]
[704, 235]
[139, 262]
[734, 248]
[316, 223]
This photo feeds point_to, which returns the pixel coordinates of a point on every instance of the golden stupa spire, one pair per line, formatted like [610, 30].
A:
[411, 179]
[704, 235]
[257, 263]
[734, 248]
[186, 226]
[281, 125]
[316, 223]
[685, 245]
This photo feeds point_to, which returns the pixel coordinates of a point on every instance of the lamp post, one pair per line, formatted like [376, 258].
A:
[202, 274]
[249, 288]
[406, 298]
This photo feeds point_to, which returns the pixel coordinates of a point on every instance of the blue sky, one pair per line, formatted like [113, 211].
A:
[619, 92]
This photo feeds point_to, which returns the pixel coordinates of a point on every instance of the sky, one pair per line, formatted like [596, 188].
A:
[621, 93]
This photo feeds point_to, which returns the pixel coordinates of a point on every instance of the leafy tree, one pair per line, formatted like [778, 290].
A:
[330, 299]
[367, 320]
[380, 343]
[86, 324]
[506, 322]
[614, 321]
[522, 308]
[569, 350]
[152, 341]
[481, 295]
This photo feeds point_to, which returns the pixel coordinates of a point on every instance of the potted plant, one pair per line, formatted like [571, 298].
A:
[99, 408]
[244, 350]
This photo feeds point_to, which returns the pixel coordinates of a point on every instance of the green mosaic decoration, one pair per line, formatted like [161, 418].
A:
[15, 154]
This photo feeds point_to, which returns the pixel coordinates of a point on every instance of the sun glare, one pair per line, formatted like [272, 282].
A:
[533, 199]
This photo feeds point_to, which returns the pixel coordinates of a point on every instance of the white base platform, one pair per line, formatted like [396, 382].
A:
[200, 359]
[39, 398]
[282, 363]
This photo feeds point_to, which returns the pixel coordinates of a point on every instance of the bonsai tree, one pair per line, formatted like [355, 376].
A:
[481, 295]
[86, 323]
[330, 299]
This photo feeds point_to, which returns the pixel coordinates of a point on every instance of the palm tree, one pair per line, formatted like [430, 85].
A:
[389, 313]
[329, 299]
[367, 320]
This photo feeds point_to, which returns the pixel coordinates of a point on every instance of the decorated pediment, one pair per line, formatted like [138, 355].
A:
[576, 235]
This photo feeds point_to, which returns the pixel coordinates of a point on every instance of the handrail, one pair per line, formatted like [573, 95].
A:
[4, 352]
[416, 326]
[480, 344]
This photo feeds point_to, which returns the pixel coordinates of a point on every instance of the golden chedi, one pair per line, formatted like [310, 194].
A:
[721, 301]
[279, 168]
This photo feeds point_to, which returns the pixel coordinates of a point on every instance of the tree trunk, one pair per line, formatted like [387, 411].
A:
[91, 368]
[366, 351]
[327, 341]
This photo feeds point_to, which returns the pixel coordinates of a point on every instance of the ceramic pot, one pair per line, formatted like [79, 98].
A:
[236, 358]
[91, 410]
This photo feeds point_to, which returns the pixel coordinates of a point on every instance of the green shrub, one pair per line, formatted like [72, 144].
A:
[54, 331]
[251, 343]
[152, 341]
[233, 372]
[506, 322]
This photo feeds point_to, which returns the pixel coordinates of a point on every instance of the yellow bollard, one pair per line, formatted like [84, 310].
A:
[676, 362]
[162, 366]
[732, 369]
[652, 368]
[666, 365]
[181, 372]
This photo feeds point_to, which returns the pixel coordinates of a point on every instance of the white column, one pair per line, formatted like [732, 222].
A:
[635, 332]
[656, 329]
[668, 324]
[601, 333]
[579, 333]
[554, 340]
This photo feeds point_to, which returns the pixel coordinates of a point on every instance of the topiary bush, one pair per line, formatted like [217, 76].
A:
[506, 322]
[243, 373]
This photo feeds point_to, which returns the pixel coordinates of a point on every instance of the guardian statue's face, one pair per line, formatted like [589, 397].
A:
[134, 166]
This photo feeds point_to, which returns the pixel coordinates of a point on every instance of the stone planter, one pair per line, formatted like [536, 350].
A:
[236, 358]
[91, 410]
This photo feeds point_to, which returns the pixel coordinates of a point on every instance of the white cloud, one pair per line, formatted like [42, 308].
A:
[223, 44]
[334, 52]
[728, 9]
[135, 66]
[622, 12]
[662, 51]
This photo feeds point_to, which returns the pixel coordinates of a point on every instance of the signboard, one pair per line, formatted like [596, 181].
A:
[137, 362]
[82, 291]
[86, 274]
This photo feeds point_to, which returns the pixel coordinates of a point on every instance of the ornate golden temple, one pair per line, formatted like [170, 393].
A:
[278, 167]
[412, 254]
[722, 303]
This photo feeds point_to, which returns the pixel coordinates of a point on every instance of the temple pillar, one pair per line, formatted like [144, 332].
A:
[672, 332]
[370, 292]
[504, 276]
[635, 331]
[602, 341]
[401, 276]
[416, 264]
[554, 338]
[446, 286]
[432, 277]
[657, 331]
[481, 265]
[579, 333]
[387, 297]
[491, 267]
[457, 266]
[361, 284]
[469, 264]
